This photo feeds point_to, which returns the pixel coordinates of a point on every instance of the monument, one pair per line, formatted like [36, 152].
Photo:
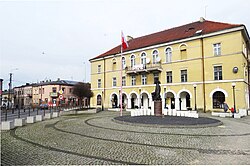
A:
[156, 96]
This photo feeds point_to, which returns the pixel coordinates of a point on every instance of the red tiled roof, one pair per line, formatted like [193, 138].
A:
[173, 34]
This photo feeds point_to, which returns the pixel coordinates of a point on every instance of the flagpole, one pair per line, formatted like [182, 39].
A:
[121, 83]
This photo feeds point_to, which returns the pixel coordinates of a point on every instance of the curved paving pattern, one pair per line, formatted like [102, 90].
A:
[97, 139]
[168, 121]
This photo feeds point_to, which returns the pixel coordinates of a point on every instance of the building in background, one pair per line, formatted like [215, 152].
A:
[5, 98]
[1, 89]
[23, 96]
[53, 93]
[200, 65]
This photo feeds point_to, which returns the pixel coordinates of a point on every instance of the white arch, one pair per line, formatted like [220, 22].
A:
[216, 90]
[115, 94]
[149, 96]
[155, 50]
[132, 55]
[182, 45]
[168, 47]
[171, 92]
[133, 92]
[142, 53]
[98, 94]
[184, 90]
[125, 94]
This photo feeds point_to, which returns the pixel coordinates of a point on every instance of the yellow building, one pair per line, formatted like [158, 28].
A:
[200, 65]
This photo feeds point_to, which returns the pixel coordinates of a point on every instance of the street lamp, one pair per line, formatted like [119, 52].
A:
[102, 99]
[233, 85]
[195, 106]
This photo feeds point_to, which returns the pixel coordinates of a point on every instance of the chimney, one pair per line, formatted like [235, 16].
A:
[202, 19]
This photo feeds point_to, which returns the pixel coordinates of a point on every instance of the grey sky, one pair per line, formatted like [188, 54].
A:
[71, 32]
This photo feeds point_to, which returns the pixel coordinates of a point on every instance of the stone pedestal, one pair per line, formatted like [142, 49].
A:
[7, 125]
[158, 108]
[48, 116]
[55, 114]
[39, 118]
[31, 119]
[19, 122]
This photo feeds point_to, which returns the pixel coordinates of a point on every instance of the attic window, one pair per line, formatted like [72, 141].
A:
[198, 32]
[189, 29]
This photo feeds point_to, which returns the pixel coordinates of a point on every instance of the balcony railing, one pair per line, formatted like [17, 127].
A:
[144, 68]
[53, 94]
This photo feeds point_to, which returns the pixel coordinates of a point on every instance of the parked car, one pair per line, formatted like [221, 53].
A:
[44, 106]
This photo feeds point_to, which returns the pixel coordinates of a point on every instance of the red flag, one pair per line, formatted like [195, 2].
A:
[124, 42]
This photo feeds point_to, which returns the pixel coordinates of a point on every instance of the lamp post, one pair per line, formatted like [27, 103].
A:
[233, 85]
[102, 99]
[195, 106]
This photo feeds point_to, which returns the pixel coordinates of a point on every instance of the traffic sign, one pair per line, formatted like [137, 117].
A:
[60, 97]
[61, 91]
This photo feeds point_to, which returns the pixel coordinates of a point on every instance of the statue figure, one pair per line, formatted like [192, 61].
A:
[156, 95]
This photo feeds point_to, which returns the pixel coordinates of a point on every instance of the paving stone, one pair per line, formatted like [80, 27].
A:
[99, 140]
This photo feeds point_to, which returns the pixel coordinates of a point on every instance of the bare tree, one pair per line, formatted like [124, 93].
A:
[82, 90]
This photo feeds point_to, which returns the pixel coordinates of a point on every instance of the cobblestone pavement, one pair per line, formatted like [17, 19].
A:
[97, 139]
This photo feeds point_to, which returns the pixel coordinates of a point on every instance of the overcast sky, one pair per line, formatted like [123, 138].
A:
[53, 39]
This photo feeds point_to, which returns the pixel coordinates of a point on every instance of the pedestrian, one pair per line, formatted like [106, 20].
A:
[225, 106]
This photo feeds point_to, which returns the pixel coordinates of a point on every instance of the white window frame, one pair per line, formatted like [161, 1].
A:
[218, 73]
[143, 58]
[132, 60]
[123, 80]
[168, 52]
[99, 83]
[184, 75]
[217, 49]
[133, 80]
[155, 55]
[144, 79]
[170, 76]
[114, 82]
[99, 69]
[156, 75]
[123, 62]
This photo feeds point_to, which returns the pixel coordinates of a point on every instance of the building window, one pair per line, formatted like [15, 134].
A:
[132, 61]
[133, 80]
[155, 56]
[168, 55]
[99, 83]
[114, 81]
[183, 75]
[99, 100]
[123, 62]
[218, 99]
[99, 69]
[244, 49]
[156, 77]
[169, 76]
[183, 50]
[217, 49]
[144, 79]
[143, 59]
[114, 64]
[217, 72]
[123, 81]
[63, 90]
[54, 89]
